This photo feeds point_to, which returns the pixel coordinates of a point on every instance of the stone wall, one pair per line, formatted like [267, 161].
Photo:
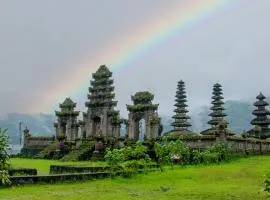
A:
[33, 145]
[33, 142]
[249, 146]
[237, 144]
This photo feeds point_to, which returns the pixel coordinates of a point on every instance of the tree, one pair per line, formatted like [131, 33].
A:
[4, 177]
[3, 149]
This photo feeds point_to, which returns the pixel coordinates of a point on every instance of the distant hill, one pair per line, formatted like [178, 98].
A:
[39, 124]
[239, 115]
[167, 120]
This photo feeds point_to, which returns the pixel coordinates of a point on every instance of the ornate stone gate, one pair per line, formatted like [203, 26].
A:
[143, 108]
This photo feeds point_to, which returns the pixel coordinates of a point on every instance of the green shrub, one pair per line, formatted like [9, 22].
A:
[4, 178]
[133, 164]
[114, 157]
[196, 157]
[128, 172]
[136, 158]
[210, 157]
[139, 150]
[130, 168]
[166, 153]
[135, 152]
[172, 152]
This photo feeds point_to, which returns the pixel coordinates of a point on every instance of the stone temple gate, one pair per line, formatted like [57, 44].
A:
[67, 124]
[143, 108]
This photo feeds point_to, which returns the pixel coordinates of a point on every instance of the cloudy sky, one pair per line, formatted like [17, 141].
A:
[48, 50]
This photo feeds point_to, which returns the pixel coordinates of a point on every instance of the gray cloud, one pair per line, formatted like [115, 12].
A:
[40, 41]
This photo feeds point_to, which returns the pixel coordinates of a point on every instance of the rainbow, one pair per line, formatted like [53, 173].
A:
[119, 54]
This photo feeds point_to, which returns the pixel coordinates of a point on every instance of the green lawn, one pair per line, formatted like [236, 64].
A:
[43, 166]
[240, 179]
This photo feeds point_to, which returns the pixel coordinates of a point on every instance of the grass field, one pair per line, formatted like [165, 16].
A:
[43, 166]
[240, 179]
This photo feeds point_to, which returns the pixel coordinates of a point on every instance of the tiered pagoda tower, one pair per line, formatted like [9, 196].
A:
[261, 114]
[143, 109]
[101, 119]
[67, 125]
[217, 115]
[181, 118]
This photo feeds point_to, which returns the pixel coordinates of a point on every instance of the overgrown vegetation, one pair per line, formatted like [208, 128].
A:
[176, 152]
[167, 153]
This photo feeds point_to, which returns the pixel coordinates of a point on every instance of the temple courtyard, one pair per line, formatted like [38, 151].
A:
[239, 179]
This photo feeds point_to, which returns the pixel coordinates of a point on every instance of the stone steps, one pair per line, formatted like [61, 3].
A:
[83, 152]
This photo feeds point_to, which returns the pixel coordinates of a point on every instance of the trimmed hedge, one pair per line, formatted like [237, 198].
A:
[63, 169]
[22, 171]
[31, 152]
[54, 178]
[17, 180]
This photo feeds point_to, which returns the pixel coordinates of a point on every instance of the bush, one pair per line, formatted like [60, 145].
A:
[196, 157]
[4, 178]
[177, 152]
[114, 157]
[128, 172]
[136, 157]
[130, 168]
[117, 156]
[210, 157]
[213, 154]
[172, 152]
[161, 154]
